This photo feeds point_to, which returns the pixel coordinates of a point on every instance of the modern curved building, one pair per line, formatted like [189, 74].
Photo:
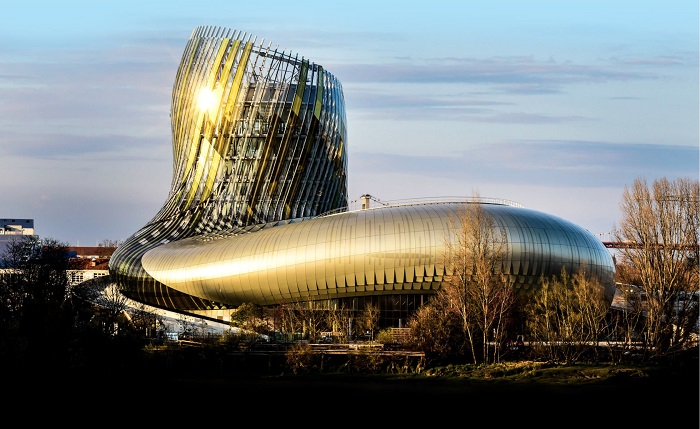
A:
[258, 208]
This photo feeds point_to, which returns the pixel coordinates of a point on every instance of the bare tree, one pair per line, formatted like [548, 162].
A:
[109, 243]
[368, 319]
[304, 318]
[115, 305]
[21, 251]
[12, 282]
[567, 316]
[145, 320]
[339, 321]
[35, 309]
[478, 288]
[287, 321]
[38, 274]
[661, 227]
[541, 318]
[626, 321]
[594, 307]
[437, 330]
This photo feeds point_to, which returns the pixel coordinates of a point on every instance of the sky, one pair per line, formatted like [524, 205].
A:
[554, 105]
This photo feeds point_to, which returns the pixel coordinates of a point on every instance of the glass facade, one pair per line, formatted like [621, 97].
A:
[259, 142]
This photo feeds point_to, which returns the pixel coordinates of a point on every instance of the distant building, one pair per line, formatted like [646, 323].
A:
[87, 263]
[16, 227]
[77, 276]
[13, 229]
[98, 252]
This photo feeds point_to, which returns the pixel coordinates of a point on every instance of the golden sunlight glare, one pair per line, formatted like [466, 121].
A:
[206, 99]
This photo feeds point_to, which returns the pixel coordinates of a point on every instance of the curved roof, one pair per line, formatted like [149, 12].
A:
[395, 249]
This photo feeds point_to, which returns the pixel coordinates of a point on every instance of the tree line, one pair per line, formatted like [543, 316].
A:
[476, 316]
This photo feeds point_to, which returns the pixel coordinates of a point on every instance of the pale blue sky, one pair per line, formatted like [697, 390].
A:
[557, 105]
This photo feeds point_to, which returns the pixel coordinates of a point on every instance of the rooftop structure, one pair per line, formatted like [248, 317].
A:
[13, 229]
[16, 227]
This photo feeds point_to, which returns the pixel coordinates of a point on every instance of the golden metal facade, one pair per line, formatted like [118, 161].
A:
[255, 170]
[258, 136]
[387, 250]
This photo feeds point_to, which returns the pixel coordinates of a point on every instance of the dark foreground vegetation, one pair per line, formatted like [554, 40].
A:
[396, 387]
[473, 354]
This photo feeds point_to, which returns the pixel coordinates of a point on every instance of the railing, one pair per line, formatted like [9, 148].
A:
[356, 205]
[660, 246]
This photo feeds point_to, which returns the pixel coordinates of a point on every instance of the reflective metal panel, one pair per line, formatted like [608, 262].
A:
[259, 155]
[385, 255]
[258, 136]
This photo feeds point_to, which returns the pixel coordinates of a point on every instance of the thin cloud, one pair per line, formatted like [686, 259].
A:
[471, 89]
[381, 106]
[493, 71]
[546, 163]
[72, 146]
